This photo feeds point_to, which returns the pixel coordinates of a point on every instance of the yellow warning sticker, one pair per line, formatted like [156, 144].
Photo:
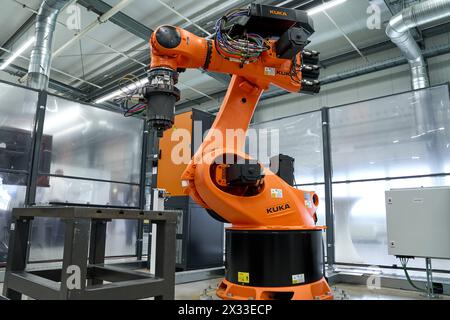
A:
[276, 193]
[268, 71]
[243, 277]
[298, 278]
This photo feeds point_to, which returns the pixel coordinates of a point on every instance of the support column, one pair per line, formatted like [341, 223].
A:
[142, 188]
[165, 257]
[17, 253]
[328, 177]
[76, 248]
[429, 270]
[38, 130]
[97, 245]
[153, 158]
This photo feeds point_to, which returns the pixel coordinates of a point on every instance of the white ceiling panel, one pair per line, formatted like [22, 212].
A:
[351, 18]
[13, 16]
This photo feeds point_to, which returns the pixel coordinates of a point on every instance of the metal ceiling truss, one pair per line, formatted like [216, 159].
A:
[99, 7]
[207, 22]
[144, 33]
[105, 75]
[16, 70]
[130, 25]
[208, 16]
[54, 84]
[395, 6]
[19, 33]
[122, 20]
[386, 45]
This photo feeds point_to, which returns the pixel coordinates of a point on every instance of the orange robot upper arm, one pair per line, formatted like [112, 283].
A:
[189, 51]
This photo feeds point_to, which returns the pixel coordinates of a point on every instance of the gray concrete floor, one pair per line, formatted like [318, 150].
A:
[199, 290]
[205, 290]
[360, 292]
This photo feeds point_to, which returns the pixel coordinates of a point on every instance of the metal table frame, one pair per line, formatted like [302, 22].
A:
[84, 247]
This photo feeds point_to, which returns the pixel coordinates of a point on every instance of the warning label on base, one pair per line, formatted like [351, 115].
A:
[298, 278]
[243, 277]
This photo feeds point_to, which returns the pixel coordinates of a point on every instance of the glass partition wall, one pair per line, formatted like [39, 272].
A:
[17, 112]
[91, 156]
[400, 141]
[85, 156]
[396, 141]
[299, 137]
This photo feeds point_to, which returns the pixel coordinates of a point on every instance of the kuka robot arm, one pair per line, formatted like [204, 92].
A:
[240, 192]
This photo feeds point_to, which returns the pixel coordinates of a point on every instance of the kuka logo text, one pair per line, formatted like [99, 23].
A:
[278, 13]
[279, 208]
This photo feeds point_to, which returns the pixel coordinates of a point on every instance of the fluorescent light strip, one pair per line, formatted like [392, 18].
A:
[283, 3]
[141, 84]
[16, 54]
[325, 6]
[118, 93]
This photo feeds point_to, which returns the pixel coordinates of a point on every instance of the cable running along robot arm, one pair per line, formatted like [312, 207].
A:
[274, 248]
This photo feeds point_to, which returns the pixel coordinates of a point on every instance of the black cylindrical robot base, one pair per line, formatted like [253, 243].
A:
[274, 258]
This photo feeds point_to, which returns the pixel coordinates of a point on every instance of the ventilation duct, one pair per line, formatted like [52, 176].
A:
[41, 55]
[398, 30]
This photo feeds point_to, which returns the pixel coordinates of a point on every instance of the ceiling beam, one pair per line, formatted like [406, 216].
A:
[106, 75]
[53, 84]
[16, 70]
[122, 20]
[131, 25]
[386, 45]
[395, 6]
[304, 4]
[375, 48]
[112, 82]
[19, 33]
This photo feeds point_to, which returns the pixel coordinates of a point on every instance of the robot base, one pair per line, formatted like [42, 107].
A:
[274, 265]
[314, 291]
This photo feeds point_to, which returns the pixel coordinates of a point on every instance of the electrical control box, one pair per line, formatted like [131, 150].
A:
[418, 222]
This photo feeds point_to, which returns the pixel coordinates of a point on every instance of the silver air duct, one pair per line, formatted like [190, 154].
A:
[41, 55]
[398, 30]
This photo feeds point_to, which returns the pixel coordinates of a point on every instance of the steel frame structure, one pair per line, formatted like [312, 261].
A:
[84, 250]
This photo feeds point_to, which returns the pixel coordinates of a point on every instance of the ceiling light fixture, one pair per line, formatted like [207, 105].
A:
[325, 6]
[16, 54]
[120, 92]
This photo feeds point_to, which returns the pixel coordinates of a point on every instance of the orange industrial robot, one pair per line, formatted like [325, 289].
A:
[274, 248]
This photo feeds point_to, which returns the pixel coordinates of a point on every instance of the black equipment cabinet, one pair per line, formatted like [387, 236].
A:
[200, 238]
[283, 166]
[15, 149]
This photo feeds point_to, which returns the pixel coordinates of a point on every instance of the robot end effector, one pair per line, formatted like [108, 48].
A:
[161, 95]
